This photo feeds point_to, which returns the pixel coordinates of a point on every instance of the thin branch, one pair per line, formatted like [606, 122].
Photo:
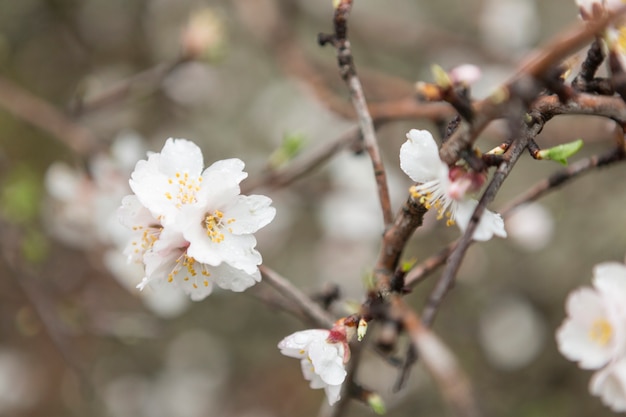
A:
[117, 93]
[302, 165]
[312, 311]
[524, 83]
[348, 73]
[564, 176]
[448, 276]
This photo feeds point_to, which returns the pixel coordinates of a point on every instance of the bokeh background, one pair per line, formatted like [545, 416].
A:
[76, 338]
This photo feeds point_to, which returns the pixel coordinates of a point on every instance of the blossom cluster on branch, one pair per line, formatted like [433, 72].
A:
[191, 227]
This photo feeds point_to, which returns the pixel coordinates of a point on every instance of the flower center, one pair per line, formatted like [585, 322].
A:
[187, 188]
[189, 264]
[214, 224]
[601, 332]
[149, 235]
[430, 196]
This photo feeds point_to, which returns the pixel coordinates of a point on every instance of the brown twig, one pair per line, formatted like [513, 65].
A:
[524, 83]
[347, 70]
[312, 311]
[302, 165]
[447, 278]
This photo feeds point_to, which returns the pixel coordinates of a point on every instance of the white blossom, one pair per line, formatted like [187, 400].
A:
[322, 360]
[191, 226]
[445, 189]
[593, 333]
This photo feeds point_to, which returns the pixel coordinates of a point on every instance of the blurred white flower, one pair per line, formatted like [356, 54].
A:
[511, 332]
[610, 385]
[530, 226]
[445, 189]
[594, 333]
[193, 227]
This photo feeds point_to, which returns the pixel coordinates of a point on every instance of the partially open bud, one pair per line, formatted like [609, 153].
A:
[204, 37]
[361, 329]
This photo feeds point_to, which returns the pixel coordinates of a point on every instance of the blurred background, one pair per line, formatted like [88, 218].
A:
[87, 87]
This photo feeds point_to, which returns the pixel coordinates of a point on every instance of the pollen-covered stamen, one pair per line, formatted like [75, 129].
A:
[431, 195]
[149, 235]
[214, 223]
[188, 265]
[186, 188]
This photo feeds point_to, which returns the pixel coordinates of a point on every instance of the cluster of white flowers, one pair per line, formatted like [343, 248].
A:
[443, 188]
[191, 227]
[594, 333]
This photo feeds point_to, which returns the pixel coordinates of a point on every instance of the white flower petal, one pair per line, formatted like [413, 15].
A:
[610, 385]
[233, 279]
[610, 280]
[333, 393]
[419, 156]
[490, 223]
[296, 344]
[250, 213]
[180, 155]
[328, 362]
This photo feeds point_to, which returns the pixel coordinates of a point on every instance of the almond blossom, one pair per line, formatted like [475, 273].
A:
[323, 355]
[594, 335]
[443, 188]
[191, 226]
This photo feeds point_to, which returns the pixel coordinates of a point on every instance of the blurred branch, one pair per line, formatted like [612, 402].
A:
[302, 165]
[151, 79]
[35, 111]
[439, 360]
[347, 70]
[44, 307]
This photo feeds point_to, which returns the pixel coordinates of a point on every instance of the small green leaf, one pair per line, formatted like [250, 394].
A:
[560, 153]
[291, 146]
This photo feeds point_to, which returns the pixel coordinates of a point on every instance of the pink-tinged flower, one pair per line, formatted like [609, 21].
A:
[610, 385]
[191, 226]
[445, 189]
[593, 333]
[323, 355]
